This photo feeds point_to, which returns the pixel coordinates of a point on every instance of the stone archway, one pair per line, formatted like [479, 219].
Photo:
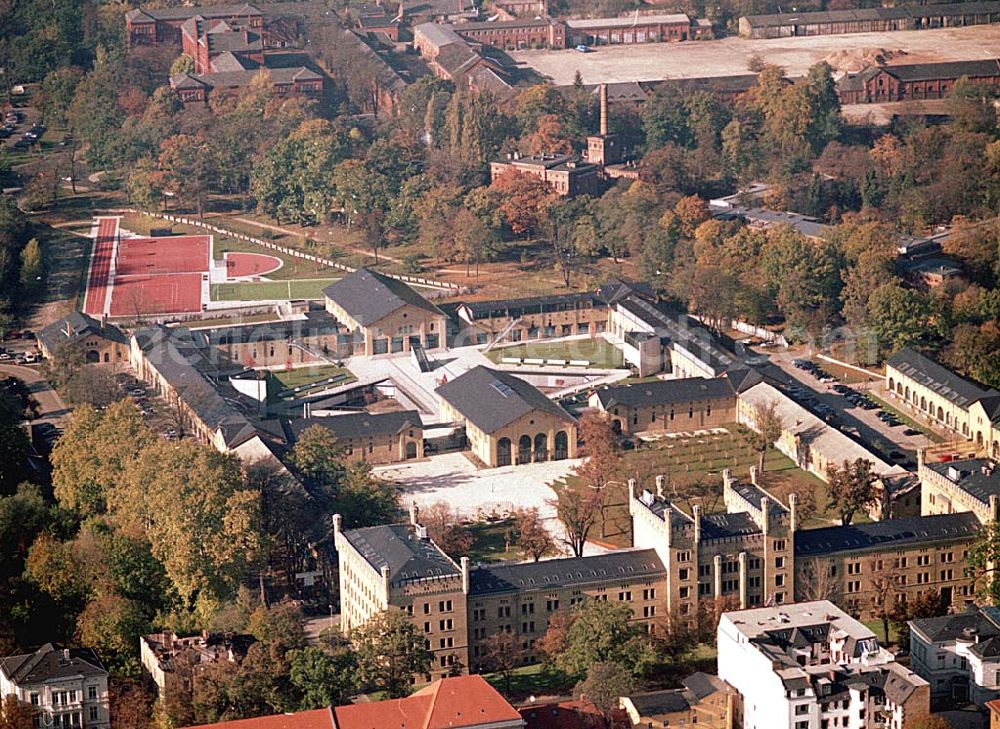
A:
[562, 446]
[923, 404]
[503, 452]
[940, 414]
[411, 450]
[93, 356]
[541, 447]
[524, 449]
[892, 384]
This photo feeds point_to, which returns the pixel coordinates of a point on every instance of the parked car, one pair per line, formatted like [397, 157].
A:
[911, 432]
[583, 48]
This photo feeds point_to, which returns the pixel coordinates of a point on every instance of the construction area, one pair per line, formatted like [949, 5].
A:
[732, 56]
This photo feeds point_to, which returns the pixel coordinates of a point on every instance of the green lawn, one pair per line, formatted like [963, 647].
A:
[271, 290]
[534, 679]
[494, 542]
[596, 351]
[288, 379]
[693, 470]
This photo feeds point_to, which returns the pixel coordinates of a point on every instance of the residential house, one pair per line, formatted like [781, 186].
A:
[100, 341]
[959, 655]
[66, 687]
[704, 701]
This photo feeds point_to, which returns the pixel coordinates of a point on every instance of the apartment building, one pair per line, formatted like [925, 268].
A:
[742, 557]
[811, 666]
[970, 484]
[860, 565]
[959, 655]
[66, 687]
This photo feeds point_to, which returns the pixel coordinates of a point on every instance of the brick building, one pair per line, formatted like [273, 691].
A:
[636, 29]
[912, 82]
[205, 40]
[230, 74]
[705, 701]
[870, 20]
[151, 26]
[517, 34]
[567, 174]
[101, 342]
[668, 406]
[922, 386]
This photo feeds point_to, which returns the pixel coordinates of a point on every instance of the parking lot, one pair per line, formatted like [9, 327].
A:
[729, 56]
[852, 410]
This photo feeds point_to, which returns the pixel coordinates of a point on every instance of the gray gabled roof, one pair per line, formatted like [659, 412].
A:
[925, 371]
[545, 575]
[205, 11]
[891, 534]
[369, 296]
[977, 477]
[360, 425]
[397, 547]
[76, 326]
[491, 399]
[666, 392]
[944, 628]
[49, 663]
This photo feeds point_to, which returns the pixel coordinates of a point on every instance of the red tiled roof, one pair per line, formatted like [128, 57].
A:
[315, 719]
[994, 706]
[450, 703]
[580, 714]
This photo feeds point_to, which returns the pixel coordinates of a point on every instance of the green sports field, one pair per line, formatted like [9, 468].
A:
[271, 290]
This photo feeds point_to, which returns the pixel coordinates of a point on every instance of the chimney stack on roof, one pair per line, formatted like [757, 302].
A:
[603, 93]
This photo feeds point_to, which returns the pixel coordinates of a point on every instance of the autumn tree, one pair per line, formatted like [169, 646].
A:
[532, 536]
[131, 704]
[445, 528]
[852, 488]
[501, 653]
[16, 714]
[604, 685]
[579, 510]
[983, 563]
[190, 501]
[764, 429]
[524, 201]
[602, 632]
[927, 604]
[602, 457]
[91, 458]
[818, 581]
[389, 651]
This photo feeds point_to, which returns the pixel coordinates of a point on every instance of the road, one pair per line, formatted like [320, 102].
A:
[51, 408]
[872, 430]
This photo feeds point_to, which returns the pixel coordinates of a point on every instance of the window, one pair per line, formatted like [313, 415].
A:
[34, 699]
[802, 709]
[779, 545]
[683, 574]
[551, 605]
[649, 594]
[779, 562]
[427, 608]
[625, 596]
[427, 627]
[93, 712]
[779, 580]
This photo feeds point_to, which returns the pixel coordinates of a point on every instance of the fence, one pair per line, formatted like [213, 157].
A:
[441, 288]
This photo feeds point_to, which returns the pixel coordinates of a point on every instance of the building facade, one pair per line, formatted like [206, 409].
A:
[386, 314]
[705, 701]
[151, 26]
[914, 82]
[924, 387]
[67, 688]
[636, 29]
[959, 655]
[870, 20]
[741, 558]
[812, 666]
[171, 662]
[507, 420]
[101, 342]
[370, 437]
[956, 486]
[668, 406]
[567, 174]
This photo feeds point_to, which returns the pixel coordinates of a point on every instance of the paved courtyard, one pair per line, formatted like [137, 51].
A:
[452, 478]
[728, 56]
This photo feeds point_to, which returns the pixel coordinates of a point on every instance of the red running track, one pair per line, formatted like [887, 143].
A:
[176, 254]
[100, 266]
[239, 265]
[175, 293]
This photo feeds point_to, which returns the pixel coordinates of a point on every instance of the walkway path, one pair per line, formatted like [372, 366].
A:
[51, 407]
